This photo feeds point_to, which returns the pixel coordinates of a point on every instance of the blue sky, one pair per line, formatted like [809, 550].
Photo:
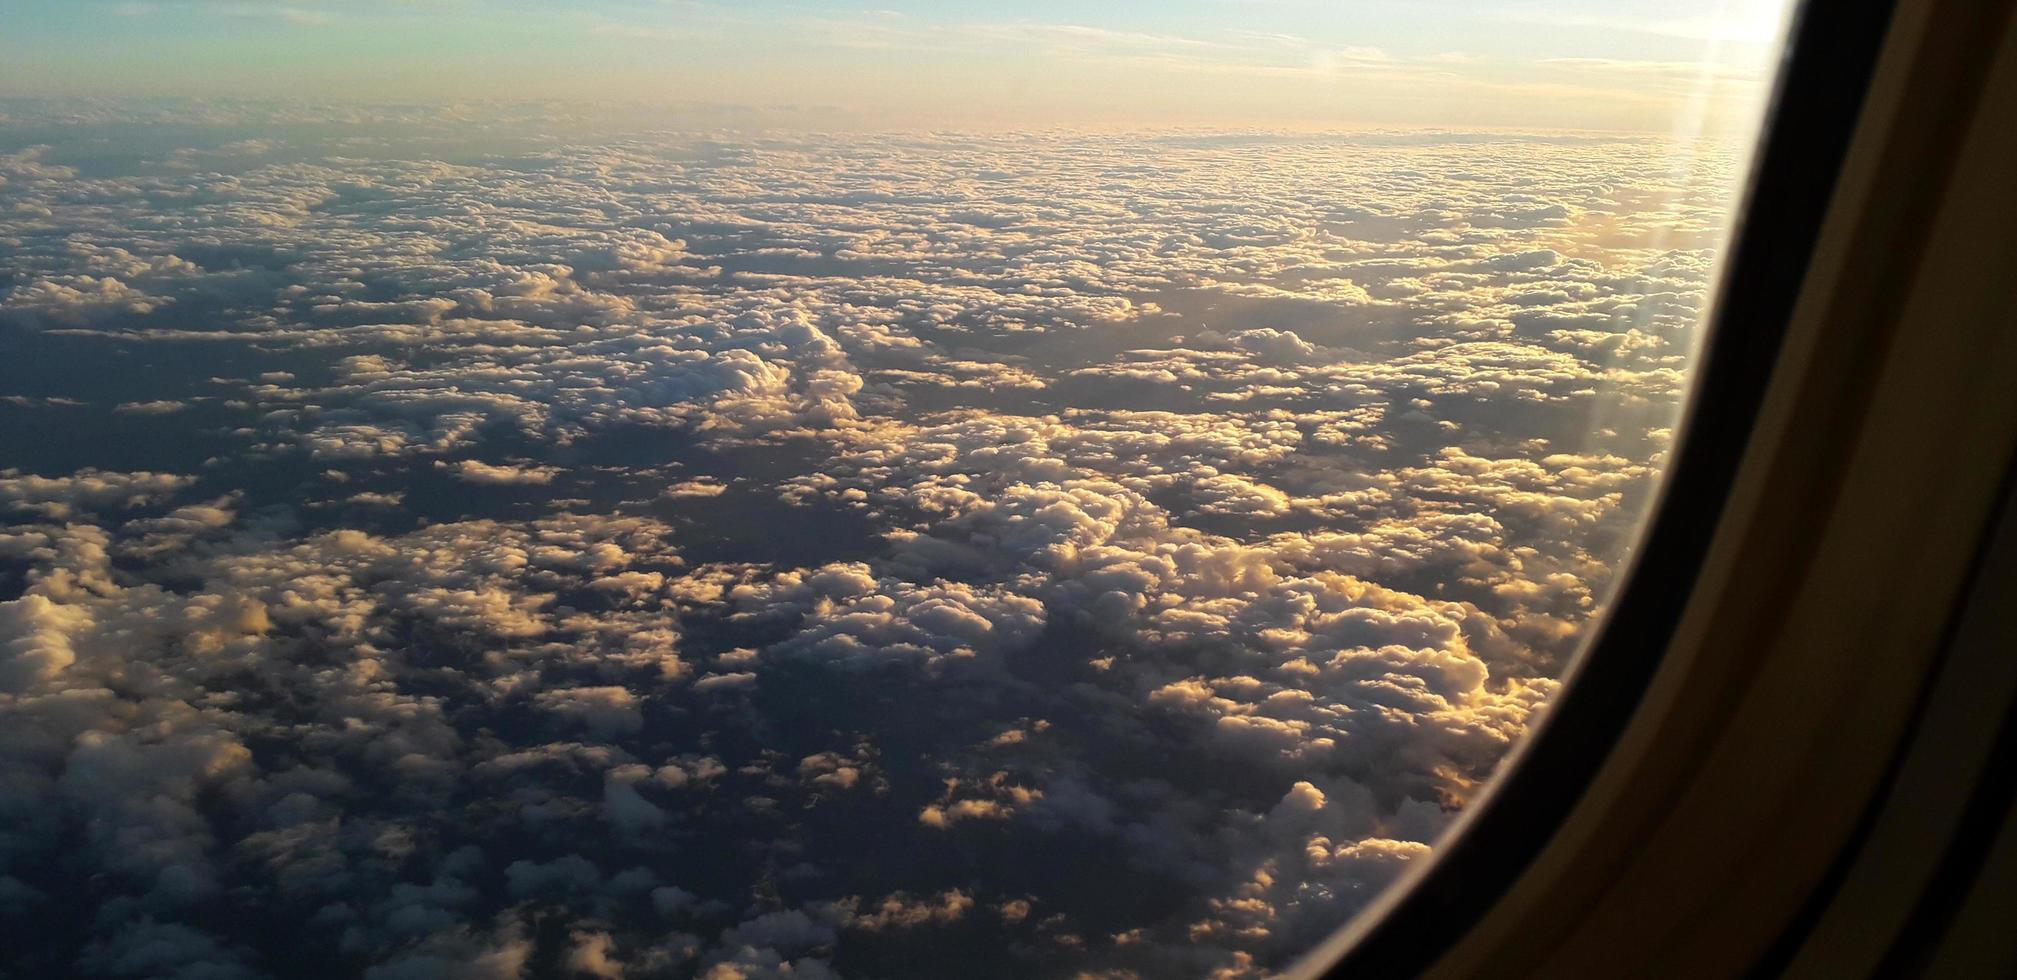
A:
[1639, 64]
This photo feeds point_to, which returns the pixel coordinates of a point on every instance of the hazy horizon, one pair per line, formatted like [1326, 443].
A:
[1562, 64]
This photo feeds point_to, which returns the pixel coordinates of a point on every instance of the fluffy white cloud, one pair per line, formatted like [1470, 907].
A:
[86, 490]
[473, 471]
[765, 558]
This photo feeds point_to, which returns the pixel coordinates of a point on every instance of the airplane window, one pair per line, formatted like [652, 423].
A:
[634, 489]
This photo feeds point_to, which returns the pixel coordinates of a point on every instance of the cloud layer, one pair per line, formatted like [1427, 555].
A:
[869, 556]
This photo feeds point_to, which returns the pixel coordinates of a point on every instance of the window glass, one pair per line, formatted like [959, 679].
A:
[633, 489]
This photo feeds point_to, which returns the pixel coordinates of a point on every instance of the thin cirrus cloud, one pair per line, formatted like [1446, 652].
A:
[941, 65]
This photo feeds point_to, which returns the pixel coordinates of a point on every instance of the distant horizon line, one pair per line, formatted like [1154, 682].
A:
[723, 110]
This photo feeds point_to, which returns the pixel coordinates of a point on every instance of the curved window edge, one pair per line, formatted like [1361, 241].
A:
[1829, 63]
